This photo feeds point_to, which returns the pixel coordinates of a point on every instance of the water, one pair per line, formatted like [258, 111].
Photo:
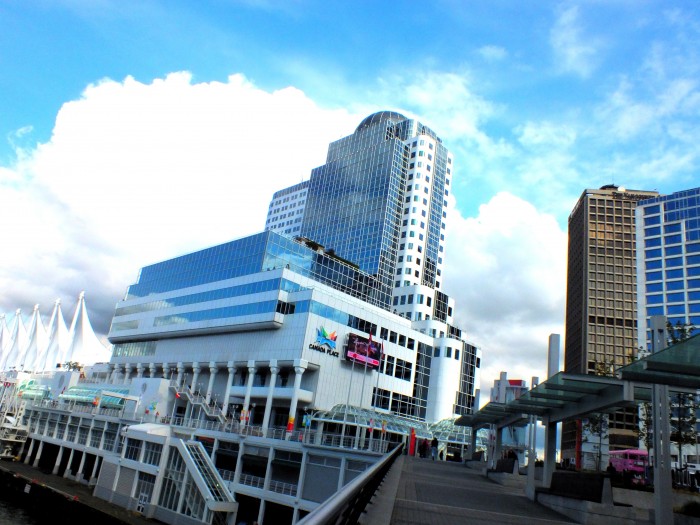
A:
[13, 515]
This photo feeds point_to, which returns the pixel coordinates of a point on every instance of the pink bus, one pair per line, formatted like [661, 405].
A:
[632, 460]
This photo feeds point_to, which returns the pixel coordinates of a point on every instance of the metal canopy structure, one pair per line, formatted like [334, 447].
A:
[568, 396]
[677, 366]
[563, 396]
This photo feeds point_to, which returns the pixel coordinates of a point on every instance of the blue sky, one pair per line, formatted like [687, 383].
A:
[129, 131]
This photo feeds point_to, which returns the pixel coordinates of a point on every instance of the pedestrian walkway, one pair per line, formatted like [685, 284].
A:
[447, 493]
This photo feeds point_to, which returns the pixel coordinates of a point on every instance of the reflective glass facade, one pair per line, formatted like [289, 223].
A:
[668, 244]
[361, 205]
[264, 251]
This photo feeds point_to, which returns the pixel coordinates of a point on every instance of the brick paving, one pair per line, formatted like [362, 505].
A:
[445, 493]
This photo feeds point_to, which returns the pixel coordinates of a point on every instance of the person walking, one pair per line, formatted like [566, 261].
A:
[434, 448]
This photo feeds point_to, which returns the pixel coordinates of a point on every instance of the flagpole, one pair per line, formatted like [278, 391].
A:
[347, 402]
[379, 369]
[364, 376]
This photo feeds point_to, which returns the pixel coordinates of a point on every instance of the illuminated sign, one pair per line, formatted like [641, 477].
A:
[362, 351]
[325, 342]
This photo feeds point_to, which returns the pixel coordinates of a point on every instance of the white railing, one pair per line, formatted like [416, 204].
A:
[227, 475]
[252, 481]
[280, 487]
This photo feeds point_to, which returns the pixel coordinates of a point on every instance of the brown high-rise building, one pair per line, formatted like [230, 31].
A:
[601, 299]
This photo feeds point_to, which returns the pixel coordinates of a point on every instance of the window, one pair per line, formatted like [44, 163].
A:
[152, 453]
[133, 449]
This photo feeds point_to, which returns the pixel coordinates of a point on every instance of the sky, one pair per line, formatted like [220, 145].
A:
[134, 131]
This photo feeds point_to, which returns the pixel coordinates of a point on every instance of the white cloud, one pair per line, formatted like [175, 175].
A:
[492, 53]
[573, 51]
[135, 173]
[446, 101]
[546, 134]
[506, 269]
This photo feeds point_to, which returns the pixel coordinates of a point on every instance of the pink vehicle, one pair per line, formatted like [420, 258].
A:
[633, 461]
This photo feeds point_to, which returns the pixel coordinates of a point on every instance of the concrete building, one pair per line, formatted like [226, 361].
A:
[601, 303]
[286, 209]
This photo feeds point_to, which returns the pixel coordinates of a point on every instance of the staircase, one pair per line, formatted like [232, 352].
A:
[209, 482]
[198, 400]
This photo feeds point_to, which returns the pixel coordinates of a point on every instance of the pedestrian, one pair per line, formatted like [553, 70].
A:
[434, 448]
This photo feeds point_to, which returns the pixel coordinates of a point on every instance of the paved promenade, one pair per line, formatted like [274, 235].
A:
[446, 493]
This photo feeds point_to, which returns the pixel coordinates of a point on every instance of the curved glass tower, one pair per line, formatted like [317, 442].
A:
[379, 201]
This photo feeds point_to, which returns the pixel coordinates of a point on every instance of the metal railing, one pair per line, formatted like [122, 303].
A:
[252, 481]
[347, 505]
[280, 487]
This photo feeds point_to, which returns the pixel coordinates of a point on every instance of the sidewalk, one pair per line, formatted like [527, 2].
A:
[447, 493]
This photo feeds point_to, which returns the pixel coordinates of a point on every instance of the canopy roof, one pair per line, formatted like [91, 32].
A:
[567, 396]
[677, 365]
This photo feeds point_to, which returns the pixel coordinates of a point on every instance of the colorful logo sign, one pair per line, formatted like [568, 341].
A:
[325, 338]
[325, 342]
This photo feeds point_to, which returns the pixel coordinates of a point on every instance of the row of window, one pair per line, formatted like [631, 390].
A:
[674, 297]
[673, 262]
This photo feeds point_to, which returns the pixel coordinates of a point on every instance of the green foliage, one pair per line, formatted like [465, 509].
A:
[679, 332]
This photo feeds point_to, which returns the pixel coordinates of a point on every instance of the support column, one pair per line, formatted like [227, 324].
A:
[38, 454]
[661, 430]
[299, 368]
[472, 448]
[239, 463]
[57, 465]
[67, 472]
[498, 439]
[166, 371]
[127, 373]
[29, 452]
[139, 370]
[248, 390]
[227, 393]
[79, 474]
[550, 452]
[274, 370]
[180, 372]
[531, 452]
[195, 377]
[94, 469]
[113, 375]
[213, 369]
[152, 368]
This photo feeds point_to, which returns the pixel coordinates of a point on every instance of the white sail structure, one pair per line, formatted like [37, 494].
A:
[4, 335]
[59, 341]
[18, 344]
[85, 348]
[37, 343]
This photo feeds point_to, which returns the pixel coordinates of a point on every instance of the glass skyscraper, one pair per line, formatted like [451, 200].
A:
[379, 201]
[668, 254]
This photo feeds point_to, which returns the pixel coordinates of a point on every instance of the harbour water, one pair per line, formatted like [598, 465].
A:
[10, 514]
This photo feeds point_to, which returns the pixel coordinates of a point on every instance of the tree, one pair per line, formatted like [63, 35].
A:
[683, 407]
[596, 424]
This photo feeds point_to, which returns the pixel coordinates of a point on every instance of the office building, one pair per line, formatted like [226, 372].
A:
[259, 376]
[601, 302]
[380, 201]
[668, 255]
[286, 209]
